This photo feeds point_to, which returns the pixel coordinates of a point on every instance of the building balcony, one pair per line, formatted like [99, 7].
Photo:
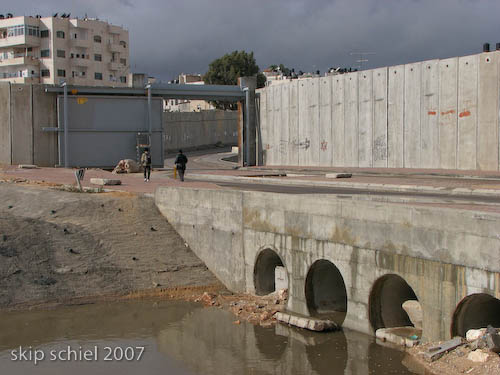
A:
[19, 60]
[114, 47]
[20, 40]
[80, 62]
[17, 79]
[115, 66]
[80, 81]
[112, 29]
[83, 24]
[82, 43]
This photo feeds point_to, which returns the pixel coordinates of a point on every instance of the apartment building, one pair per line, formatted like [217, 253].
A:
[48, 50]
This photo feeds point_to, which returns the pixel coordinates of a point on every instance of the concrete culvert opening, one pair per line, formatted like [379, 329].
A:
[264, 273]
[386, 302]
[475, 311]
[326, 294]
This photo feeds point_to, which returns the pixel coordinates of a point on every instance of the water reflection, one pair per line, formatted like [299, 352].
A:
[185, 338]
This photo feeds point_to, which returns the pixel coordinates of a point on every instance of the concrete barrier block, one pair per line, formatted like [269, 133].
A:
[105, 181]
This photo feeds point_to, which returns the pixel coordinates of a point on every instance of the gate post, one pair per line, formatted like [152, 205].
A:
[249, 119]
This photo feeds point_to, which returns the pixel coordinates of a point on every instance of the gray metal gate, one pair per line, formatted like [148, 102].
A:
[102, 130]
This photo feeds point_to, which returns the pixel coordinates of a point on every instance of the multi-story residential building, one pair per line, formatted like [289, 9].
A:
[49, 50]
[184, 105]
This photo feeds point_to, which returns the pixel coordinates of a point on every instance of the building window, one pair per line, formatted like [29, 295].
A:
[122, 43]
[44, 34]
[61, 53]
[98, 57]
[45, 73]
[72, 55]
[123, 79]
[23, 30]
[98, 76]
[123, 61]
[45, 53]
[60, 34]
[97, 38]
[61, 73]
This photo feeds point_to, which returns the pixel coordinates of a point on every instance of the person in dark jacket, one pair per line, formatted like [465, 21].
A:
[180, 164]
[146, 164]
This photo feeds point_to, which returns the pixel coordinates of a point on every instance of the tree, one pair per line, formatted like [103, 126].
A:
[227, 69]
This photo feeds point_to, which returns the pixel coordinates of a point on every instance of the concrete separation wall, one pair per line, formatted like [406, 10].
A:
[24, 110]
[431, 114]
[443, 254]
[5, 143]
[192, 130]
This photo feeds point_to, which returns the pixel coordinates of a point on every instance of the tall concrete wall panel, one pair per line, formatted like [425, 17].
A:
[338, 157]
[380, 118]
[293, 155]
[44, 115]
[365, 110]
[313, 109]
[263, 126]
[22, 124]
[429, 115]
[286, 149]
[271, 144]
[467, 111]
[351, 120]
[277, 109]
[412, 115]
[448, 116]
[395, 117]
[5, 141]
[325, 121]
[487, 131]
[304, 126]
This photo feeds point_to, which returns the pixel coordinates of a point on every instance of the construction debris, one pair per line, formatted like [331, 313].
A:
[437, 352]
[105, 181]
[127, 166]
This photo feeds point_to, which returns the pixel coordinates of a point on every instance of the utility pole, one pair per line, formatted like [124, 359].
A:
[361, 59]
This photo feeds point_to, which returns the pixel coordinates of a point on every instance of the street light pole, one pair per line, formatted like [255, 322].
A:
[66, 136]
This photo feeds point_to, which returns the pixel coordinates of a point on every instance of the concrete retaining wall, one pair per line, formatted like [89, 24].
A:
[431, 114]
[191, 130]
[24, 110]
[443, 254]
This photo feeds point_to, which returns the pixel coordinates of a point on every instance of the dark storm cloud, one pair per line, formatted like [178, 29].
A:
[170, 37]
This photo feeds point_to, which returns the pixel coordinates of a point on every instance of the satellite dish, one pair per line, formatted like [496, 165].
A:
[9, 15]
[63, 15]
[54, 15]
[67, 15]
[1, 17]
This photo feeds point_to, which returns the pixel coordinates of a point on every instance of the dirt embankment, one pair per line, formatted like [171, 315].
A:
[57, 246]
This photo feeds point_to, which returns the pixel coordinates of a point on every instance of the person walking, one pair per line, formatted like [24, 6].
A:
[146, 164]
[180, 164]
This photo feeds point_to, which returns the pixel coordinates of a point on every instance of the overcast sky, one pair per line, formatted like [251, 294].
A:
[169, 37]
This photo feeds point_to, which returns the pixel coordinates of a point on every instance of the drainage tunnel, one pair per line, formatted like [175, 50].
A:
[475, 311]
[386, 299]
[326, 294]
[265, 272]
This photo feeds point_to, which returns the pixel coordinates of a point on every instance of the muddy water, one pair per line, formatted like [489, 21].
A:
[174, 337]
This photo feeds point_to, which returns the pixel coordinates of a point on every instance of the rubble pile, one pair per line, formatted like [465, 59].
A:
[478, 353]
[254, 309]
[127, 166]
